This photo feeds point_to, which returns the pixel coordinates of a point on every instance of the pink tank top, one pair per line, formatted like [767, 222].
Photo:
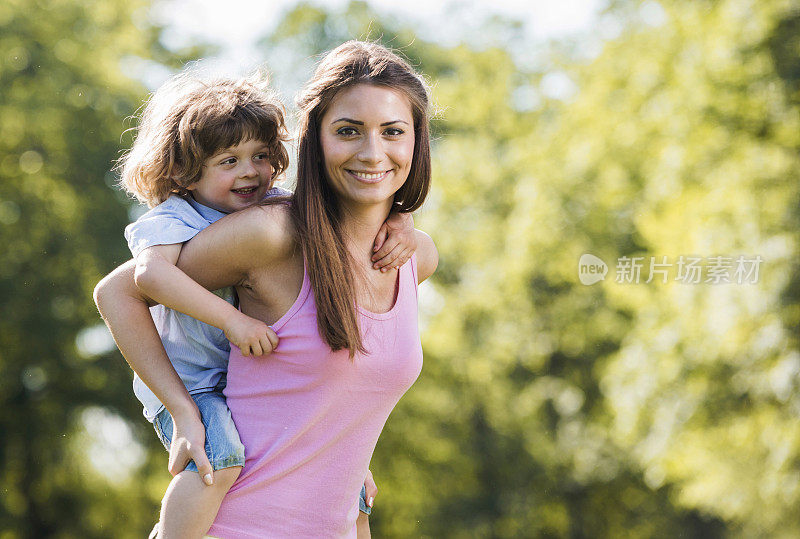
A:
[309, 418]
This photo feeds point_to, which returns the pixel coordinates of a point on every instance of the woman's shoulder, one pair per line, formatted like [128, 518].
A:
[258, 233]
[427, 256]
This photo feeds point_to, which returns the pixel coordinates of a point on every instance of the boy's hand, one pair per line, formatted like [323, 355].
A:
[189, 443]
[253, 337]
[395, 242]
[371, 487]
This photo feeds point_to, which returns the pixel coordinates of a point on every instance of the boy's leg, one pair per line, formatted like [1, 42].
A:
[362, 522]
[190, 506]
[362, 526]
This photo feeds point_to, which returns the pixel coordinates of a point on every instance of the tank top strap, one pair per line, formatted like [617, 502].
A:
[415, 280]
[299, 303]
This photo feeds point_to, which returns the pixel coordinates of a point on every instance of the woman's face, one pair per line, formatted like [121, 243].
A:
[367, 137]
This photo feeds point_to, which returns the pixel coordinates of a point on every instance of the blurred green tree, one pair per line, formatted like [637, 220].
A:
[65, 89]
[627, 409]
[702, 391]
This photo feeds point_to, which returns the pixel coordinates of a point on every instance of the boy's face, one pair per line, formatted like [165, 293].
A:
[234, 178]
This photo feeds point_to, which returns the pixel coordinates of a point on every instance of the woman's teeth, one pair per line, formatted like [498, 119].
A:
[368, 176]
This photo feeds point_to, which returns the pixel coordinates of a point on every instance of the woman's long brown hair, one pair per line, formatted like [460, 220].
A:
[315, 211]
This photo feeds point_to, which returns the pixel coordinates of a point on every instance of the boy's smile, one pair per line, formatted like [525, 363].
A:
[234, 178]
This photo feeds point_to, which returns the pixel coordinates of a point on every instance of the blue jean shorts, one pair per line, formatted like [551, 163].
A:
[223, 446]
[362, 502]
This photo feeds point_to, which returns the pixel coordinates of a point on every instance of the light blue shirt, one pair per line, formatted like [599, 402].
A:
[198, 352]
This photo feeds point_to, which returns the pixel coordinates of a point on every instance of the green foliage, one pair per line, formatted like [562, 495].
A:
[702, 390]
[674, 401]
[63, 96]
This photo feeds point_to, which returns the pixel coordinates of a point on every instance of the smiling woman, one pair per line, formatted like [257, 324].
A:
[349, 341]
[367, 138]
[343, 338]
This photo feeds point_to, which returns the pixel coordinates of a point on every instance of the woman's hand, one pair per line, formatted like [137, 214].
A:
[251, 336]
[395, 242]
[371, 488]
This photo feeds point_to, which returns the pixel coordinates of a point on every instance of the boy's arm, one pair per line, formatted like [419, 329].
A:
[157, 276]
[125, 311]
[395, 243]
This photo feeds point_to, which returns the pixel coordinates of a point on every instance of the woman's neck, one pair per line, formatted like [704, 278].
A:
[360, 225]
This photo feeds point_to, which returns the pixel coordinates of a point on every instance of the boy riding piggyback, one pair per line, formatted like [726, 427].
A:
[204, 149]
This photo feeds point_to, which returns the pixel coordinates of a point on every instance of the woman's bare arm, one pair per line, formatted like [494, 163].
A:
[225, 253]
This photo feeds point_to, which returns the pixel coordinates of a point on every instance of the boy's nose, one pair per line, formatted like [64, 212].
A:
[249, 170]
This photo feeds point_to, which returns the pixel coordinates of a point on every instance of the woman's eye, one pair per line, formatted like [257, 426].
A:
[394, 132]
[346, 131]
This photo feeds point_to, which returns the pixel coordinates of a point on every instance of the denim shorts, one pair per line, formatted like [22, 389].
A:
[362, 502]
[223, 446]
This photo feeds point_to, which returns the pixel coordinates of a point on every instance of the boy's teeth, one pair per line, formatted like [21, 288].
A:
[244, 190]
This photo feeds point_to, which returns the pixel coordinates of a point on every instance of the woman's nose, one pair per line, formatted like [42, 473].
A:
[372, 150]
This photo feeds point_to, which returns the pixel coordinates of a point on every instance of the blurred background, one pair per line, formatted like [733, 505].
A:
[546, 407]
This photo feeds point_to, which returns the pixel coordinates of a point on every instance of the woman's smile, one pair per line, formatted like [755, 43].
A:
[369, 177]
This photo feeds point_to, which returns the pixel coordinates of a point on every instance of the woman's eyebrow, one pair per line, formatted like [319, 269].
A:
[357, 122]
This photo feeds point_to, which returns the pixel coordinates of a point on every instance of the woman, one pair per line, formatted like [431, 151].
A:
[310, 413]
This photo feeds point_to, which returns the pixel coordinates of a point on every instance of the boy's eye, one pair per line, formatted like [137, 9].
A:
[347, 131]
[260, 156]
[228, 161]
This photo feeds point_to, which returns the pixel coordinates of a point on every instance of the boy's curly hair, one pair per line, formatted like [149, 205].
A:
[188, 120]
